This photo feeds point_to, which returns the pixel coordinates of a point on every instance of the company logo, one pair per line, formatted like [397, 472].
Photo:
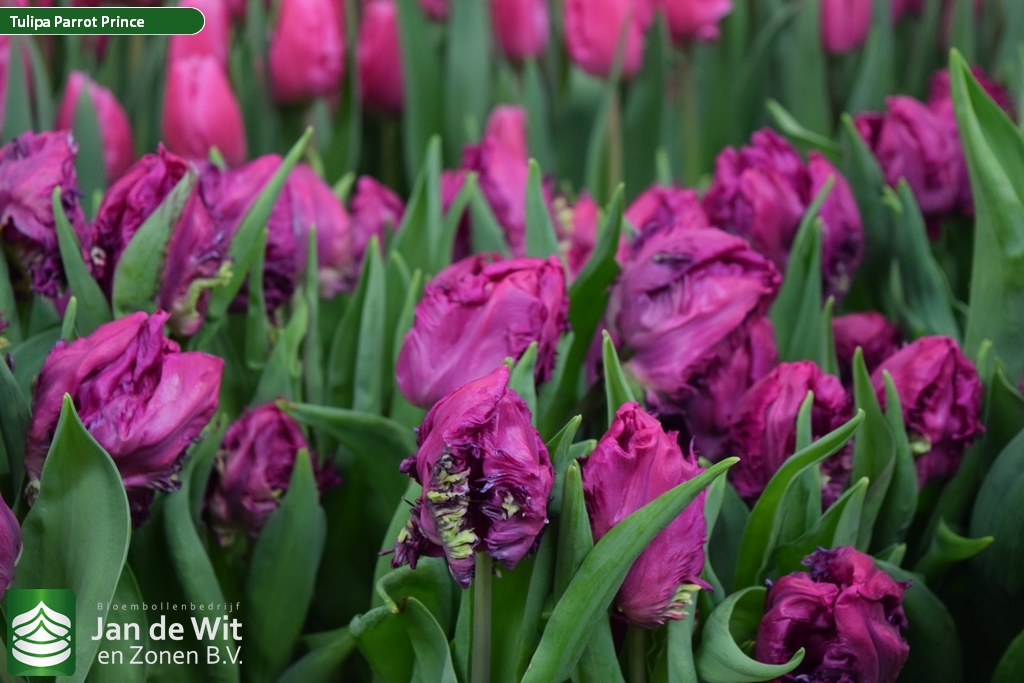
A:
[41, 632]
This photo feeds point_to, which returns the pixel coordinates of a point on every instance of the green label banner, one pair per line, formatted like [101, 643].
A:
[101, 20]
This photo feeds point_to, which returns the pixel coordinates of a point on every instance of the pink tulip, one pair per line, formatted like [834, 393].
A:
[379, 56]
[844, 24]
[115, 130]
[521, 27]
[307, 51]
[200, 112]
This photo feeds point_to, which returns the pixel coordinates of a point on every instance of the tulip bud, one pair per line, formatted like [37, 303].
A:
[592, 34]
[116, 132]
[847, 615]
[200, 112]
[127, 204]
[307, 51]
[138, 394]
[763, 429]
[486, 479]
[686, 299]
[211, 41]
[843, 239]
[379, 56]
[911, 142]
[436, 9]
[521, 27]
[940, 392]
[376, 210]
[31, 165]
[689, 19]
[661, 207]
[877, 337]
[313, 202]
[473, 315]
[10, 546]
[635, 462]
[844, 24]
[252, 471]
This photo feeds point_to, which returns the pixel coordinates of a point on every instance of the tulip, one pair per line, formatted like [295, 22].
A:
[763, 429]
[940, 392]
[686, 299]
[847, 615]
[115, 130]
[843, 239]
[476, 313]
[379, 57]
[376, 210]
[521, 27]
[502, 162]
[436, 9]
[32, 165]
[200, 112]
[592, 34]
[635, 462]
[10, 546]
[844, 24]
[313, 202]
[127, 204]
[690, 19]
[581, 225]
[307, 51]
[142, 399]
[911, 142]
[901, 8]
[211, 41]
[877, 338]
[486, 479]
[663, 206]
[252, 471]
[708, 411]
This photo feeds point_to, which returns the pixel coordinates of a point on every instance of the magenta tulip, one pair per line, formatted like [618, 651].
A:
[379, 56]
[877, 338]
[592, 34]
[10, 546]
[521, 27]
[844, 24]
[695, 19]
[376, 210]
[200, 111]
[307, 51]
[211, 41]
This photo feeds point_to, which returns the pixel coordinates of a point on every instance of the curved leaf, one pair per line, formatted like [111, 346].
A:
[93, 309]
[616, 386]
[321, 664]
[541, 240]
[433, 658]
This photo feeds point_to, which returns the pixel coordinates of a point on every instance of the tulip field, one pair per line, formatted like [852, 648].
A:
[512, 341]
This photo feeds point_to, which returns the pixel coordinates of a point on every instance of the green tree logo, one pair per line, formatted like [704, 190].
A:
[41, 632]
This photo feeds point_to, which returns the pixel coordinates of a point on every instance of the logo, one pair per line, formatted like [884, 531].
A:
[41, 632]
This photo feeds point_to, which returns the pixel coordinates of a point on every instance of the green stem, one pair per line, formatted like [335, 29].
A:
[614, 143]
[689, 120]
[636, 654]
[480, 669]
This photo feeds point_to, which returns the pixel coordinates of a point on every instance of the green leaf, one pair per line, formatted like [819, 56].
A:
[876, 75]
[89, 165]
[962, 29]
[398, 520]
[257, 323]
[17, 112]
[900, 504]
[76, 534]
[283, 572]
[93, 308]
[559, 447]
[126, 593]
[15, 416]
[9, 306]
[30, 355]
[281, 375]
[467, 74]
[383, 641]
[720, 659]
[421, 69]
[368, 389]
[874, 449]
[837, 527]
[643, 113]
[762, 531]
[419, 235]
[313, 352]
[1011, 666]
[994, 148]
[323, 663]
[922, 60]
[453, 219]
[935, 655]
[67, 327]
[137, 274]
[616, 386]
[947, 548]
[804, 70]
[487, 235]
[433, 658]
[538, 115]
[681, 665]
[521, 379]
[999, 512]
[724, 539]
[40, 88]
[602, 572]
[541, 239]
[801, 137]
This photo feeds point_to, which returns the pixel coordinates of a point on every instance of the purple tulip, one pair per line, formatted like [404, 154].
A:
[685, 301]
[635, 462]
[521, 27]
[138, 394]
[127, 204]
[379, 56]
[476, 313]
[436, 9]
[844, 24]
[486, 478]
[911, 142]
[115, 130]
[312, 202]
[940, 392]
[592, 30]
[253, 469]
[10, 546]
[876, 336]
[707, 412]
[663, 206]
[847, 615]
[763, 429]
[901, 8]
[201, 111]
[307, 51]
[32, 165]
[843, 239]
[695, 19]
[376, 210]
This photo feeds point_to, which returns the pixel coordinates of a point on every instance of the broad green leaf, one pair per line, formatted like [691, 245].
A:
[368, 390]
[922, 60]
[89, 166]
[30, 355]
[724, 539]
[467, 77]
[521, 379]
[947, 548]
[282, 573]
[762, 531]
[137, 274]
[541, 239]
[802, 137]
[123, 671]
[962, 29]
[453, 219]
[876, 75]
[323, 663]
[719, 658]
[559, 451]
[257, 323]
[423, 117]
[999, 512]
[994, 148]
[76, 534]
[486, 234]
[93, 309]
[837, 527]
[343, 354]
[17, 110]
[9, 306]
[1011, 666]
[804, 71]
[752, 79]
[642, 115]
[419, 235]
[616, 387]
[681, 665]
[874, 449]
[900, 504]
[382, 639]
[40, 88]
[602, 572]
[15, 416]
[433, 658]
[346, 142]
[538, 108]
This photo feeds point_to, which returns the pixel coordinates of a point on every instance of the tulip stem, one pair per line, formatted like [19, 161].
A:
[481, 662]
[636, 654]
[614, 143]
[689, 120]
